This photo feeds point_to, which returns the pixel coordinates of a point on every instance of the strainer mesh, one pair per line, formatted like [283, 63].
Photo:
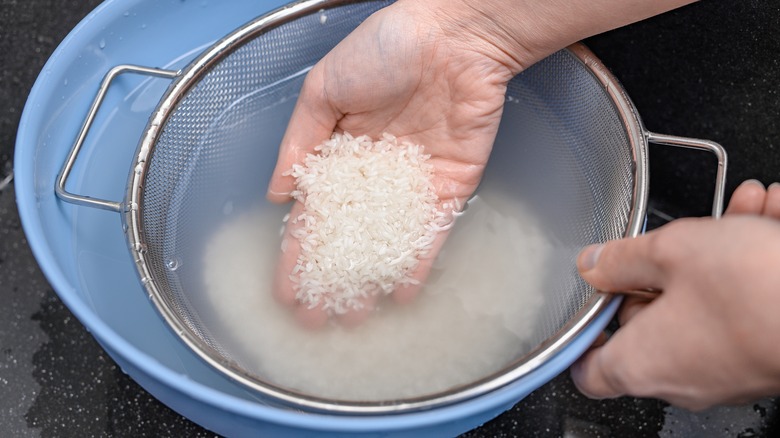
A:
[562, 148]
[576, 169]
[213, 150]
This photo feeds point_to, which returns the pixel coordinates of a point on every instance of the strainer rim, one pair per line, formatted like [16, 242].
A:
[530, 362]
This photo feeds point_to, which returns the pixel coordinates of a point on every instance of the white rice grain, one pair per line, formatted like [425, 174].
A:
[369, 207]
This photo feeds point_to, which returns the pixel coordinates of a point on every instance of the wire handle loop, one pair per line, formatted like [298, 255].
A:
[62, 178]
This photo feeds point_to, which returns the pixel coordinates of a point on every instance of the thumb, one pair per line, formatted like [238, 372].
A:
[312, 122]
[631, 263]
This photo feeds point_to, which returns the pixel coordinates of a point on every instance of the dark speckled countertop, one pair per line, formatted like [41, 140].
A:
[710, 70]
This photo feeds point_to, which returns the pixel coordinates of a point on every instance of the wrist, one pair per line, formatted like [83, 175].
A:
[518, 33]
[486, 27]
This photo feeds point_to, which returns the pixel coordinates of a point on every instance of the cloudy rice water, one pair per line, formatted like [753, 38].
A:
[475, 313]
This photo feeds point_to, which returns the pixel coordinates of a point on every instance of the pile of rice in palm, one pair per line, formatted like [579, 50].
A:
[370, 213]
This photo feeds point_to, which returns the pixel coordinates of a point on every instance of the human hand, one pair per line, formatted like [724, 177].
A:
[399, 72]
[711, 337]
[434, 73]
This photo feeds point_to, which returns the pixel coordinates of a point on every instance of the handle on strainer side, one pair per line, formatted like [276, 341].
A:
[705, 145]
[59, 187]
[720, 185]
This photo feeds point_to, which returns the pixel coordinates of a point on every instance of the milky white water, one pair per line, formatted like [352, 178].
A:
[473, 317]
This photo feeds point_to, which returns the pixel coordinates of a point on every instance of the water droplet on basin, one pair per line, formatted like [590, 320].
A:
[102, 44]
[126, 14]
[227, 208]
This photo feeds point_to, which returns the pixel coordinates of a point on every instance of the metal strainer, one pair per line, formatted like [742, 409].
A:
[571, 144]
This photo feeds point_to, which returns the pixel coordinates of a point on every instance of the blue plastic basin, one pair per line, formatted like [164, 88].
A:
[83, 251]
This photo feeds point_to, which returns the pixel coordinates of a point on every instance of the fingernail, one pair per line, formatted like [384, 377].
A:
[590, 256]
[275, 193]
[753, 182]
[775, 185]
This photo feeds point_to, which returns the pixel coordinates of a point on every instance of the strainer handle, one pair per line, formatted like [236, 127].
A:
[706, 145]
[59, 187]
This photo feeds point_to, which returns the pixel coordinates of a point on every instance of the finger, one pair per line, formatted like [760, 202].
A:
[284, 290]
[748, 198]
[600, 340]
[630, 308]
[623, 264]
[625, 364]
[283, 286]
[355, 317]
[312, 122]
[405, 294]
[657, 354]
[591, 378]
[771, 206]
[311, 319]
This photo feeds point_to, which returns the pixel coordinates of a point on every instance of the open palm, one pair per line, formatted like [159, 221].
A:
[400, 73]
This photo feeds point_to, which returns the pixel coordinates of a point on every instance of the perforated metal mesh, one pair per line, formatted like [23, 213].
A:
[562, 148]
[219, 145]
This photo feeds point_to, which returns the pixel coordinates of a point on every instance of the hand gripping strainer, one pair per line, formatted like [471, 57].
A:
[571, 144]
